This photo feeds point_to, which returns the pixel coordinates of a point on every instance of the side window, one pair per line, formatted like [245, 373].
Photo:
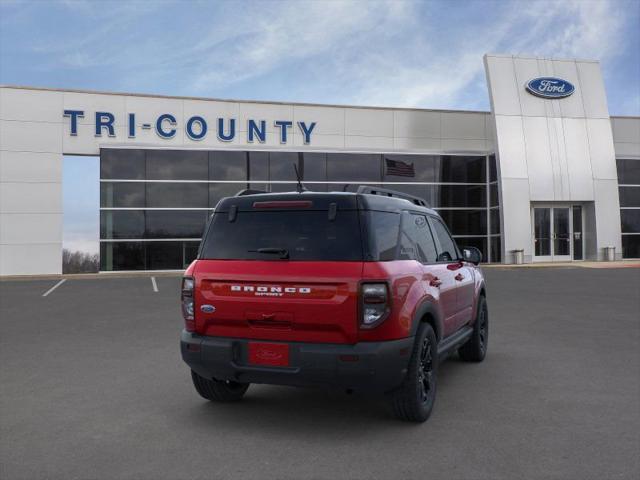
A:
[383, 234]
[447, 250]
[416, 242]
[408, 250]
[426, 245]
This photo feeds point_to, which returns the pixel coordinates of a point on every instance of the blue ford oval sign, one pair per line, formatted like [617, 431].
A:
[550, 87]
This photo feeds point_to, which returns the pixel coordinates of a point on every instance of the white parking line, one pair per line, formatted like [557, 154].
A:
[154, 284]
[54, 287]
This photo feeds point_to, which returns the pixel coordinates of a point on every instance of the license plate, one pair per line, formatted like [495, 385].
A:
[269, 354]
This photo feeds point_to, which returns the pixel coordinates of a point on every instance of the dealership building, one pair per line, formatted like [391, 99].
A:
[546, 175]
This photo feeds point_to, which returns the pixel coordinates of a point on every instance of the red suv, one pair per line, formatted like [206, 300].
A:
[363, 291]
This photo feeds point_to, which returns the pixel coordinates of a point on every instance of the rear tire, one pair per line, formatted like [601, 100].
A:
[218, 390]
[476, 347]
[413, 401]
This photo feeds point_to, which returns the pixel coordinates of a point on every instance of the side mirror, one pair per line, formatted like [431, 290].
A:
[472, 255]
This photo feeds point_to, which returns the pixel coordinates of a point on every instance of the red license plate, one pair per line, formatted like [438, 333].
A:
[269, 354]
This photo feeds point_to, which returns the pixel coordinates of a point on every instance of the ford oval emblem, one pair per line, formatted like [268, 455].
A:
[208, 308]
[550, 87]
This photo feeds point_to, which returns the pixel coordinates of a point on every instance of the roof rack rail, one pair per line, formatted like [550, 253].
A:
[392, 193]
[248, 191]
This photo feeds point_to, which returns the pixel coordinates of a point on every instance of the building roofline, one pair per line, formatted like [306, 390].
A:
[229, 100]
[264, 102]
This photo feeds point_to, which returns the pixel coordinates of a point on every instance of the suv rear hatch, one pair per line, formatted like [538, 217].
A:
[281, 267]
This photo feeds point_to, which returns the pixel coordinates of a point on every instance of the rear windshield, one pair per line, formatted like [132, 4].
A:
[294, 235]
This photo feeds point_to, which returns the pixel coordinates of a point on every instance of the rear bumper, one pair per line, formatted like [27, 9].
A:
[368, 366]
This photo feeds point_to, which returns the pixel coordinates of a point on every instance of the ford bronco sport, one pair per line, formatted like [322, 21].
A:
[363, 291]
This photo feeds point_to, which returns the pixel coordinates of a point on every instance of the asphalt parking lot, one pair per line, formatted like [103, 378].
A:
[93, 387]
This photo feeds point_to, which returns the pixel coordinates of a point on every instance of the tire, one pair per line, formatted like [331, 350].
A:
[413, 401]
[218, 390]
[476, 347]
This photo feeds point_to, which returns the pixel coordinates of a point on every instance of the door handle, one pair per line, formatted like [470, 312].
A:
[459, 277]
[435, 282]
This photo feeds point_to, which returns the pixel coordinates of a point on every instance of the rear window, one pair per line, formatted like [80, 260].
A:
[306, 235]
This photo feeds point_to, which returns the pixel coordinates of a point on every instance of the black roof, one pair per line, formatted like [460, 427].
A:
[322, 200]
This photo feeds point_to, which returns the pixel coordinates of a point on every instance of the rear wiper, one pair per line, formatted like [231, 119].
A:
[283, 252]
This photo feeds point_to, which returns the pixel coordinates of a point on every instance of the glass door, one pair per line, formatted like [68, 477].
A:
[542, 233]
[561, 234]
[557, 233]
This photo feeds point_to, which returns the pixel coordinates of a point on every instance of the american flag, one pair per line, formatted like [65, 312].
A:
[399, 168]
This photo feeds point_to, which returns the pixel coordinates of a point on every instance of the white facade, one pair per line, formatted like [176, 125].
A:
[548, 150]
[559, 151]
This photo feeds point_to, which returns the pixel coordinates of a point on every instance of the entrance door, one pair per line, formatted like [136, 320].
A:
[561, 234]
[542, 233]
[557, 233]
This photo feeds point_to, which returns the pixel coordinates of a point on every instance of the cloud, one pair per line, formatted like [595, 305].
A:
[392, 53]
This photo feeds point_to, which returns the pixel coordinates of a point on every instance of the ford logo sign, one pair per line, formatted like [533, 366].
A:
[550, 87]
[208, 308]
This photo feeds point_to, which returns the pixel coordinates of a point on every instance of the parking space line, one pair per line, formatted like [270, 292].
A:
[54, 287]
[154, 284]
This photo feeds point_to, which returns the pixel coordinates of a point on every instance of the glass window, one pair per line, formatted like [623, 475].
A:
[259, 166]
[225, 165]
[124, 164]
[410, 168]
[190, 252]
[218, 191]
[122, 256]
[177, 165]
[284, 187]
[304, 235]
[461, 169]
[493, 169]
[630, 221]
[315, 167]
[447, 250]
[383, 228]
[122, 195]
[479, 242]
[494, 216]
[177, 195]
[121, 224]
[465, 222]
[496, 250]
[493, 194]
[631, 246]
[165, 255]
[346, 167]
[444, 196]
[281, 165]
[629, 196]
[416, 235]
[175, 223]
[628, 171]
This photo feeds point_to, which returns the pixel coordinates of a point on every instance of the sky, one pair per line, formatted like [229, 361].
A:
[385, 53]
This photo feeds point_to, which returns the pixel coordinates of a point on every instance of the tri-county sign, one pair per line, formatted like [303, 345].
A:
[196, 127]
[550, 87]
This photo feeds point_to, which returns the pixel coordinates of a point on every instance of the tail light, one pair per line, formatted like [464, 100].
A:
[374, 298]
[187, 303]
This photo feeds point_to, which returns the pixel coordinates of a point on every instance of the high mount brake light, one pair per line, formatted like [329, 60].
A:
[284, 204]
[374, 302]
[188, 303]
